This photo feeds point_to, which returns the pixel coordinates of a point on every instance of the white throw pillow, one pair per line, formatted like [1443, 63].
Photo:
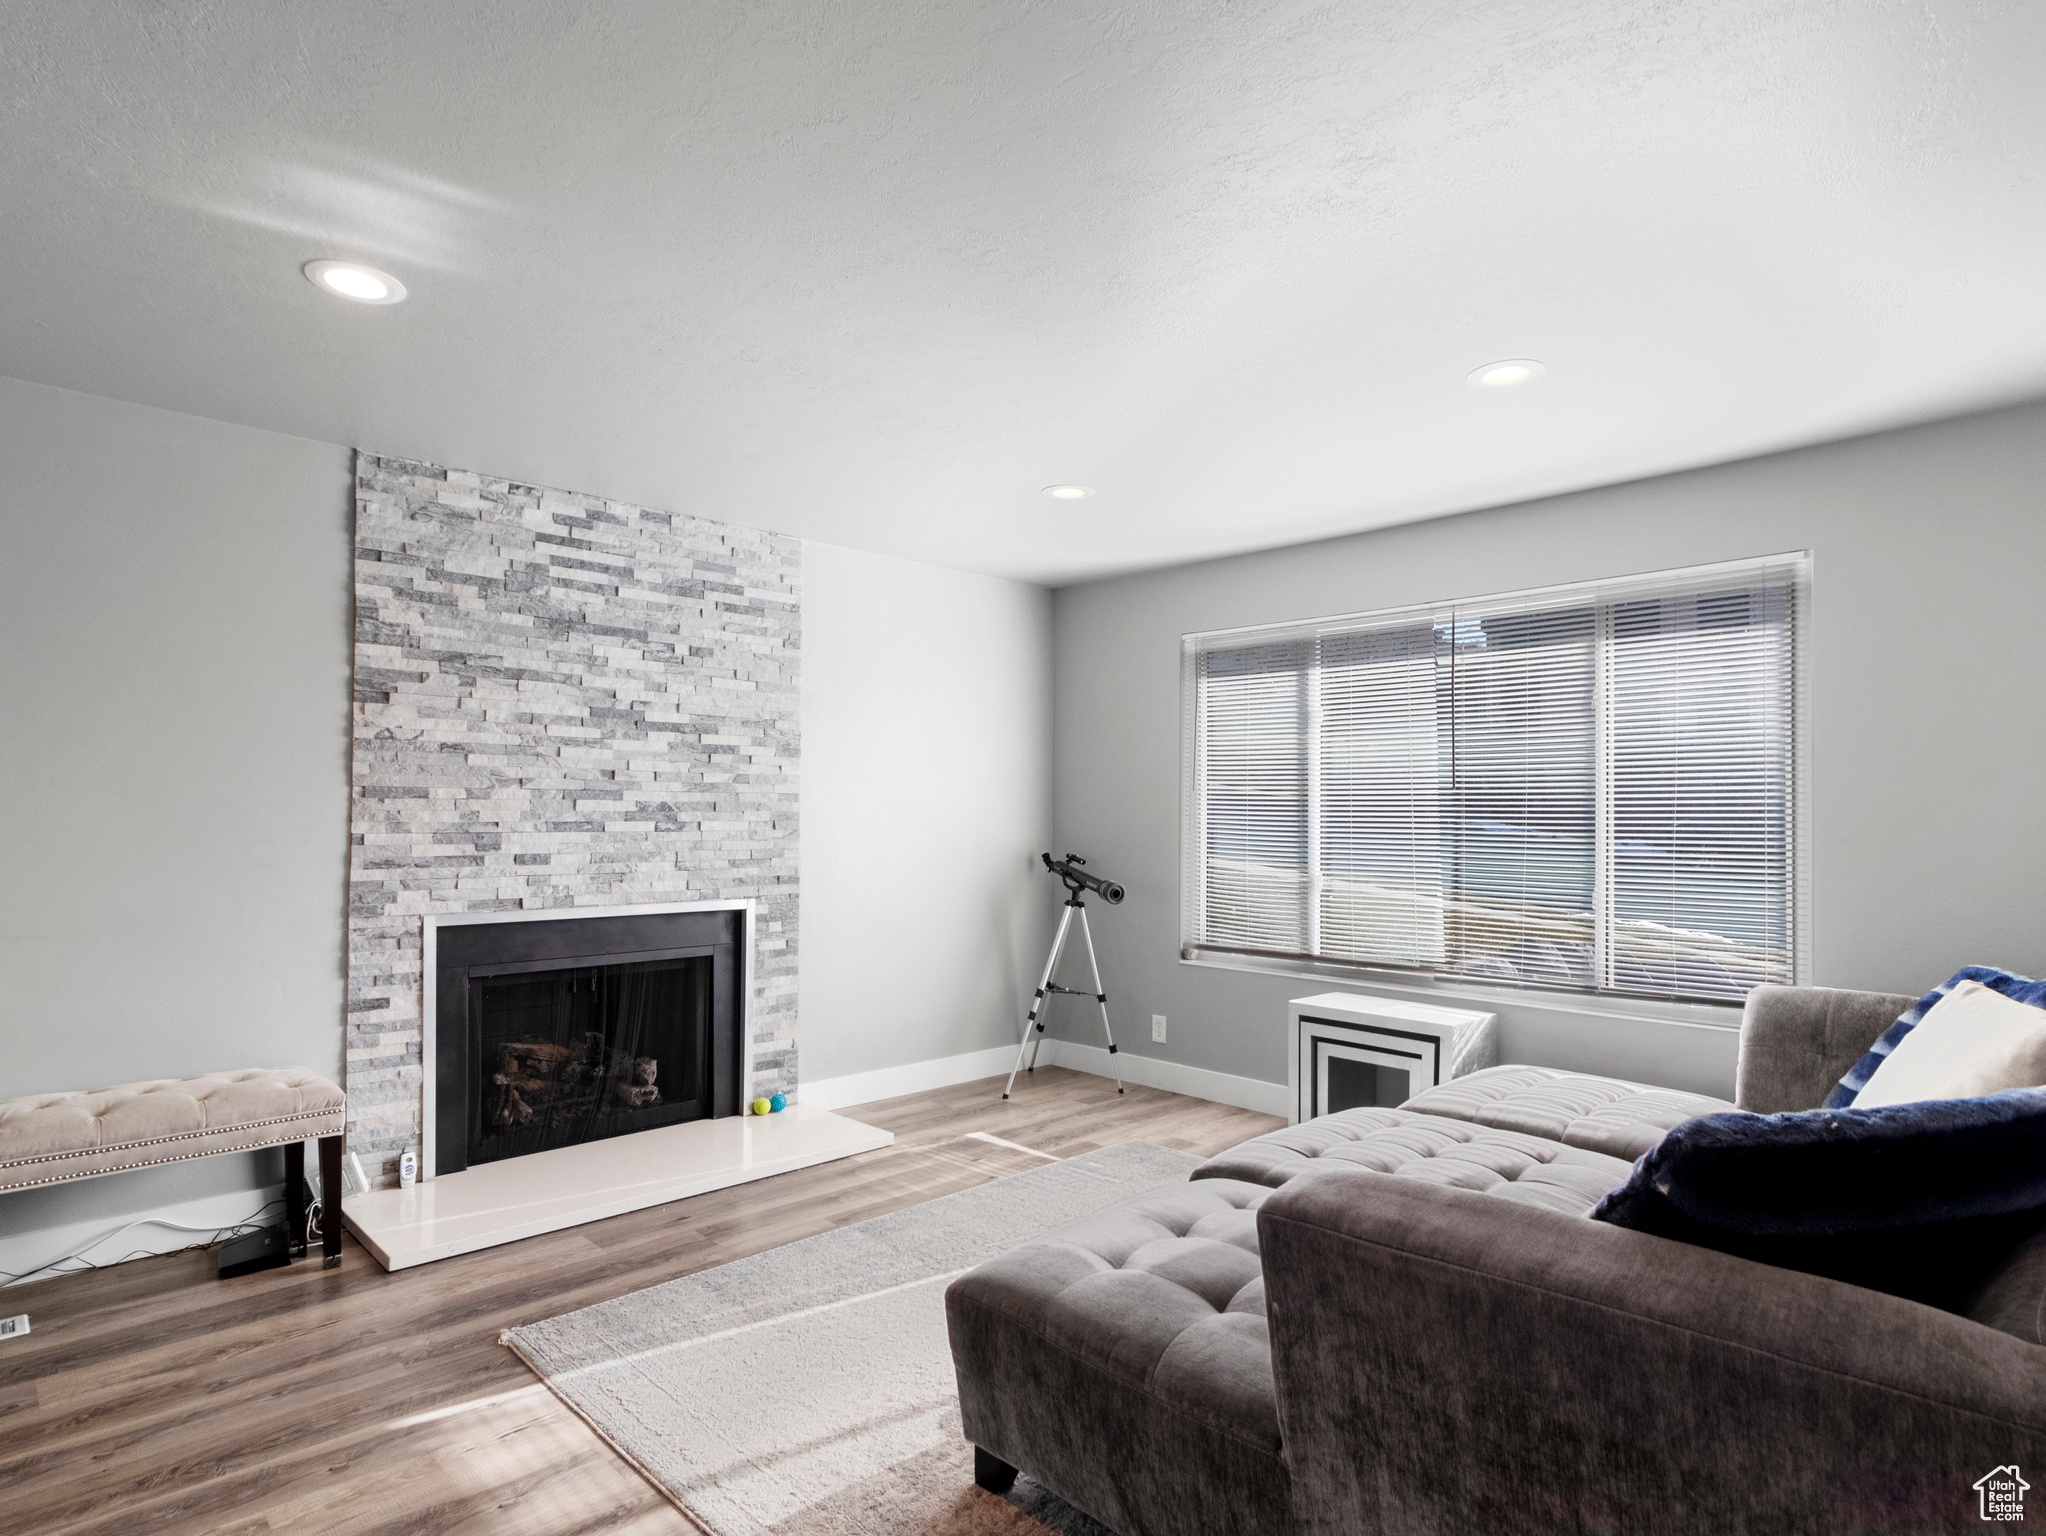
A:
[1972, 1041]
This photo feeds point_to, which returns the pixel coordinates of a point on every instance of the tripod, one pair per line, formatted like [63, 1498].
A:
[1046, 988]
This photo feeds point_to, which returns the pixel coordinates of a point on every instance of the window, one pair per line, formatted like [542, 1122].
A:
[1590, 788]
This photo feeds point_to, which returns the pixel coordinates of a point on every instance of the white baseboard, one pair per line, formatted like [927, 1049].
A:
[1149, 1071]
[1174, 1077]
[914, 1077]
[24, 1253]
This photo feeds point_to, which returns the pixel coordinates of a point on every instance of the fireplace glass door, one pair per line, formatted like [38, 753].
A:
[561, 1054]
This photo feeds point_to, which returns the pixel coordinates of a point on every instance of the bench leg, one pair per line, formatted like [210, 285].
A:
[294, 1196]
[330, 1201]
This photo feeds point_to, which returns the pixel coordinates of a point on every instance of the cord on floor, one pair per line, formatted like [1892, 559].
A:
[219, 1235]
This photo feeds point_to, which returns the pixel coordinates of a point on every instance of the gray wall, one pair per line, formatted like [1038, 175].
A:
[174, 624]
[1928, 633]
[926, 793]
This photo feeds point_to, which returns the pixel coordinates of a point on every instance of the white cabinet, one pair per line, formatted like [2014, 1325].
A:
[1351, 1051]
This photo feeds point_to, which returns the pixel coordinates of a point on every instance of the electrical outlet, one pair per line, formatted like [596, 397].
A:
[1157, 1029]
[10, 1327]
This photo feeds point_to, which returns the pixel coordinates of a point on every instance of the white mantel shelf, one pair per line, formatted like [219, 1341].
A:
[502, 1202]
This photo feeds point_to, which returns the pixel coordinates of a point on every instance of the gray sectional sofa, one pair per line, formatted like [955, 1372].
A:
[1403, 1321]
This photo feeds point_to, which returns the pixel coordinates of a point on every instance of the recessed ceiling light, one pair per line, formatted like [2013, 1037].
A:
[1069, 492]
[353, 280]
[1505, 373]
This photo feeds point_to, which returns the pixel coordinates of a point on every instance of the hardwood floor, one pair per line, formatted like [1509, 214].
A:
[153, 1397]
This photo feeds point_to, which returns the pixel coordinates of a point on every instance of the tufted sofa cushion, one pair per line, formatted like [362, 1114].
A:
[1531, 1169]
[47, 1138]
[1599, 1114]
[1145, 1322]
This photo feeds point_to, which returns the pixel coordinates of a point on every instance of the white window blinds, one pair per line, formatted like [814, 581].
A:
[1589, 788]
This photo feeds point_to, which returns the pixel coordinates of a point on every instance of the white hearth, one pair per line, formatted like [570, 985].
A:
[501, 1202]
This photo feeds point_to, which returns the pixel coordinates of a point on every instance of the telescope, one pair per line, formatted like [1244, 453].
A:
[1069, 869]
[1077, 879]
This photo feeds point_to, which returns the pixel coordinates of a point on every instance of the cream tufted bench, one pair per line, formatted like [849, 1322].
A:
[51, 1138]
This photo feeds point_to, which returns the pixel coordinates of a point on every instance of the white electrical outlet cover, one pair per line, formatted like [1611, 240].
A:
[11, 1327]
[1158, 1028]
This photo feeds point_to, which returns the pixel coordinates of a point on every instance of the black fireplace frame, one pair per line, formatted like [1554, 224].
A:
[485, 945]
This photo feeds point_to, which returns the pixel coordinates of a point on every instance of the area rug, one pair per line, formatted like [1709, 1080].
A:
[808, 1390]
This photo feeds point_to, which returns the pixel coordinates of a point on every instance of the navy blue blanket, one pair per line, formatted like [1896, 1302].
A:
[1924, 1200]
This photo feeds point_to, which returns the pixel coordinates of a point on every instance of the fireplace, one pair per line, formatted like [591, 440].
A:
[578, 1064]
[551, 1030]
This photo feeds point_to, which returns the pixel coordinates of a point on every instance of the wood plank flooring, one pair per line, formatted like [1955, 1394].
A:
[153, 1397]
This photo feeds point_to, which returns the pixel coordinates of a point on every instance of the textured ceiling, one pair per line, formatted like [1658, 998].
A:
[875, 271]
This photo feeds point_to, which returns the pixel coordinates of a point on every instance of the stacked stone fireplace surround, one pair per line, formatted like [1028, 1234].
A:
[560, 702]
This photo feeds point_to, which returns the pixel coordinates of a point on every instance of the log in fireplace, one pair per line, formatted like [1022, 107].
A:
[553, 1032]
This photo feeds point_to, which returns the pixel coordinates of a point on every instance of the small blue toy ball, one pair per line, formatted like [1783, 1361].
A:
[778, 1103]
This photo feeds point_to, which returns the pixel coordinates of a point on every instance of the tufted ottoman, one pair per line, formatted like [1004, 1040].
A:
[1124, 1361]
[51, 1138]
